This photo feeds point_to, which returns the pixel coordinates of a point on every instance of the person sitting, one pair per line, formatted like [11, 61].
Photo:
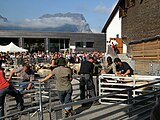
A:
[123, 68]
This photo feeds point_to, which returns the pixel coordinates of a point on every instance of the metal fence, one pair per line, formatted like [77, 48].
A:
[109, 83]
[31, 60]
[42, 103]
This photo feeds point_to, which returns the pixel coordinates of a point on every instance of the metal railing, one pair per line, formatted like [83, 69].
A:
[47, 107]
[109, 83]
[134, 108]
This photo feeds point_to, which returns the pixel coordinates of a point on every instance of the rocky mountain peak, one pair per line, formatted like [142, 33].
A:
[59, 22]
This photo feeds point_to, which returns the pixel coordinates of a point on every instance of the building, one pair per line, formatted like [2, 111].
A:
[113, 28]
[140, 31]
[52, 41]
[139, 20]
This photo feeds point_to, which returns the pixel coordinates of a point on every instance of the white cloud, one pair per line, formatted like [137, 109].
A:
[94, 30]
[46, 22]
[76, 22]
[114, 5]
[105, 9]
[101, 9]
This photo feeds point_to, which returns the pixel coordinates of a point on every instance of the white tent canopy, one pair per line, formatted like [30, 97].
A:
[11, 48]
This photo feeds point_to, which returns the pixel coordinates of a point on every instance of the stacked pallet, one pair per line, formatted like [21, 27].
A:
[146, 50]
[146, 53]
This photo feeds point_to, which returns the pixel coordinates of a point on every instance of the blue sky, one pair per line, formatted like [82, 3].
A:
[96, 12]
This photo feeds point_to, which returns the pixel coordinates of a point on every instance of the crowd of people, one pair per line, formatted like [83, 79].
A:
[61, 72]
[35, 58]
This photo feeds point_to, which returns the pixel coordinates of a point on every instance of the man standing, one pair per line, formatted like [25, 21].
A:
[86, 79]
[63, 77]
[54, 61]
[123, 68]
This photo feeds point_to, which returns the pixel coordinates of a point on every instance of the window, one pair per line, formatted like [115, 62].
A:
[89, 44]
[62, 44]
[79, 44]
[66, 43]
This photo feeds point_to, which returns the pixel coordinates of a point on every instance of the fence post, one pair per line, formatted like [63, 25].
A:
[95, 78]
[40, 102]
[29, 116]
[130, 96]
[50, 101]
[99, 86]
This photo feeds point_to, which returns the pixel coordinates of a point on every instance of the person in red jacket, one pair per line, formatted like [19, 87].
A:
[7, 88]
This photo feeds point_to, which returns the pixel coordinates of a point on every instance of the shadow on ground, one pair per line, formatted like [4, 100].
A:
[83, 108]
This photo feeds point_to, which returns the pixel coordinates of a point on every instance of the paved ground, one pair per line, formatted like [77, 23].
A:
[101, 113]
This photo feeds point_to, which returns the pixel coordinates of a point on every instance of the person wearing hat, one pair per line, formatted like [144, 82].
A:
[63, 77]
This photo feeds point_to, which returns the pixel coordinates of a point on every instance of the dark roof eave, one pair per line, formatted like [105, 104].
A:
[144, 40]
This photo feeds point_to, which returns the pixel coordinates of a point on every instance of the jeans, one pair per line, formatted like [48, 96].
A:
[86, 81]
[65, 97]
[13, 92]
[22, 87]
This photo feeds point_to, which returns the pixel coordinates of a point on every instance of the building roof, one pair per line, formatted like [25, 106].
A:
[145, 40]
[111, 16]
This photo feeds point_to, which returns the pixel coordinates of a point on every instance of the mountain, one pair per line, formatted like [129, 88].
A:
[68, 22]
[3, 19]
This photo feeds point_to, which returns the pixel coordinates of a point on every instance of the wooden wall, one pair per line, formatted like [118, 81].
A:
[146, 50]
[147, 57]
